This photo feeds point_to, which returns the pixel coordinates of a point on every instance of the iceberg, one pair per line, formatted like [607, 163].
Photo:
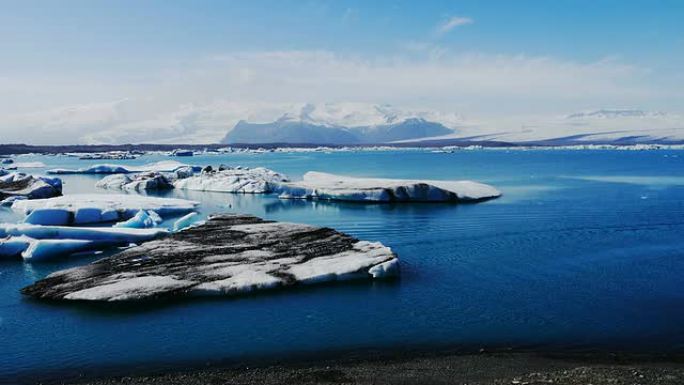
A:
[96, 208]
[258, 180]
[142, 220]
[7, 202]
[13, 246]
[138, 182]
[186, 221]
[45, 249]
[323, 186]
[161, 166]
[228, 255]
[15, 184]
[39, 243]
[109, 235]
[17, 165]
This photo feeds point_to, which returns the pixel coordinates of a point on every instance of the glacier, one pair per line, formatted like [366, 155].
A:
[324, 186]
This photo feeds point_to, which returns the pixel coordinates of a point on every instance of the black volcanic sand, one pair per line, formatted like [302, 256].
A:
[484, 368]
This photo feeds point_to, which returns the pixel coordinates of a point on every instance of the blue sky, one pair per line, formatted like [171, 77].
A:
[161, 56]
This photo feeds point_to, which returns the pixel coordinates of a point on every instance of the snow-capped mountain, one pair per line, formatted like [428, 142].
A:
[603, 126]
[347, 123]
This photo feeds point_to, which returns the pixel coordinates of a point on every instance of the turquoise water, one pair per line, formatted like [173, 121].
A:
[583, 251]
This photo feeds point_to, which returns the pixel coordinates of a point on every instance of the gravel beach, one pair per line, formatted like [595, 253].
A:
[484, 368]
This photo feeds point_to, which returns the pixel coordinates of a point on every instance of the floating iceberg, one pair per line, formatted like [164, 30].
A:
[323, 186]
[16, 184]
[17, 165]
[14, 246]
[162, 166]
[234, 180]
[96, 208]
[143, 220]
[98, 234]
[227, 255]
[45, 249]
[138, 182]
[36, 242]
[186, 221]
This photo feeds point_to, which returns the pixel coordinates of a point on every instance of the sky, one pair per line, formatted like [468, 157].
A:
[163, 71]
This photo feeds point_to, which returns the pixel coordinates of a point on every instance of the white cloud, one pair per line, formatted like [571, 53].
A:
[201, 101]
[453, 22]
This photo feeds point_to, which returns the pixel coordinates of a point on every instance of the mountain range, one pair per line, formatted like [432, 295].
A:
[347, 124]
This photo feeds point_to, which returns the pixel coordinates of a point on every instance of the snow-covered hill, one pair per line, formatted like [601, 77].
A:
[617, 126]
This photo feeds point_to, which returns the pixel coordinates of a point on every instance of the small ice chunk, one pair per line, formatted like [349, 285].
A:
[10, 200]
[385, 269]
[128, 289]
[142, 220]
[44, 249]
[185, 221]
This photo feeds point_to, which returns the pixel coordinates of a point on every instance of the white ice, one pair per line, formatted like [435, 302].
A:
[142, 220]
[161, 166]
[39, 243]
[32, 187]
[351, 264]
[17, 165]
[318, 185]
[95, 208]
[258, 180]
[139, 182]
[126, 289]
[45, 249]
[99, 234]
[186, 221]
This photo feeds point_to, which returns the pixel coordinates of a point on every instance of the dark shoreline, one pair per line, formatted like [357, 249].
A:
[436, 368]
[378, 367]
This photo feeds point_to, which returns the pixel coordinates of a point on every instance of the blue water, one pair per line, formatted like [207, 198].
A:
[583, 251]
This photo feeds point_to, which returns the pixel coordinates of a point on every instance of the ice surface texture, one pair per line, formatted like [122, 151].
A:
[96, 208]
[227, 255]
[323, 186]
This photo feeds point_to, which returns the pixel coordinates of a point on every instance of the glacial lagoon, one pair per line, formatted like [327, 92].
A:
[582, 251]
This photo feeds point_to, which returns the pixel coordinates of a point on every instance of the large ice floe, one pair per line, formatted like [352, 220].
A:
[323, 186]
[258, 180]
[17, 184]
[162, 166]
[227, 255]
[38, 243]
[138, 182]
[79, 209]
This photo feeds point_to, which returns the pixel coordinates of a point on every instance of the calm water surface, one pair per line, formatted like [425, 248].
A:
[584, 250]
